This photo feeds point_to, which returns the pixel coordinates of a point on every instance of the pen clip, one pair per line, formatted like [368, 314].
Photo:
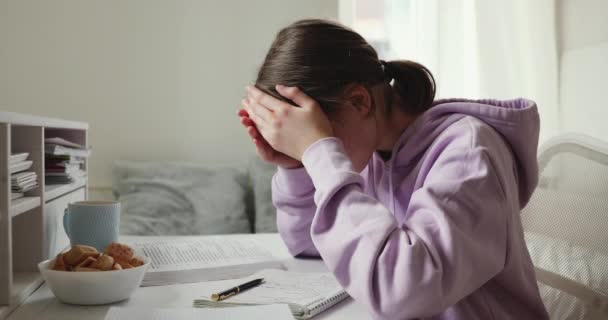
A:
[229, 295]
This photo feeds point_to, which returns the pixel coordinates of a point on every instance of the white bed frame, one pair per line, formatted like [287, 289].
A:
[591, 149]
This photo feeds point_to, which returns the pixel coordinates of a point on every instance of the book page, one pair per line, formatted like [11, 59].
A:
[172, 254]
[281, 286]
[277, 311]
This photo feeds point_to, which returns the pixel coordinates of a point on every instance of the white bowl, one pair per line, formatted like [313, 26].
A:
[91, 288]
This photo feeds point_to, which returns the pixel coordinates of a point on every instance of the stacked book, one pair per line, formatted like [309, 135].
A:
[21, 180]
[64, 161]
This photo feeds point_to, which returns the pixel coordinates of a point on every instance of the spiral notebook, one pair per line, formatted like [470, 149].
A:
[307, 294]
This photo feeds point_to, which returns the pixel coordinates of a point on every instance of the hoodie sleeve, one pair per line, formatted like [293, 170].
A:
[292, 195]
[452, 241]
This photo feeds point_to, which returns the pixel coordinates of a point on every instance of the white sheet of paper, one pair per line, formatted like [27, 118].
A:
[63, 142]
[274, 311]
[190, 253]
[286, 287]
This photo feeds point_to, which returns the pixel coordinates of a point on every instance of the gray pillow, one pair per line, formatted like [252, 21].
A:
[172, 198]
[261, 173]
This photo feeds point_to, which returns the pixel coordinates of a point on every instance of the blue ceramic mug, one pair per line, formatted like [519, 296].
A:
[92, 223]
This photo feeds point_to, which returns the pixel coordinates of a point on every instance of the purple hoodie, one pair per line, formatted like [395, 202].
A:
[435, 231]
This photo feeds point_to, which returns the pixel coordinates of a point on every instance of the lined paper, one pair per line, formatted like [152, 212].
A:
[279, 286]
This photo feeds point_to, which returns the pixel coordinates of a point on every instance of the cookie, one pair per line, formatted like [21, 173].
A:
[103, 263]
[124, 264]
[136, 261]
[86, 262]
[79, 253]
[59, 264]
[119, 251]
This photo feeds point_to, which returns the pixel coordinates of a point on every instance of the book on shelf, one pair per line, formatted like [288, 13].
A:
[64, 167]
[63, 142]
[74, 172]
[16, 195]
[21, 180]
[18, 157]
[63, 178]
[25, 187]
[23, 183]
[64, 161]
[23, 176]
[20, 183]
[61, 160]
[20, 166]
[55, 149]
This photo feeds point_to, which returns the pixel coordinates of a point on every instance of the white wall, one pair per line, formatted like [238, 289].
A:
[156, 79]
[583, 26]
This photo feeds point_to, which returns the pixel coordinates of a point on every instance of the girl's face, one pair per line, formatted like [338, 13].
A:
[356, 123]
[357, 134]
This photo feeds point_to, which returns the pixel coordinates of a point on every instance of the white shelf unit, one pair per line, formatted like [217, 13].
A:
[30, 228]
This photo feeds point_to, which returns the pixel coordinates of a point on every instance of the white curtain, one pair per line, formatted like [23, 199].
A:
[501, 49]
[480, 48]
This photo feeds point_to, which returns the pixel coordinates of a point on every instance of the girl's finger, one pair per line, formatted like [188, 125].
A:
[262, 147]
[242, 113]
[253, 133]
[263, 150]
[263, 143]
[264, 133]
[265, 99]
[296, 95]
[259, 123]
[245, 121]
[252, 115]
[261, 111]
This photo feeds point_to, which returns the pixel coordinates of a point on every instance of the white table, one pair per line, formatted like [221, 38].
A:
[42, 304]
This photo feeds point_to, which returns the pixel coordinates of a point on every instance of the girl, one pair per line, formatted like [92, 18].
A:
[412, 204]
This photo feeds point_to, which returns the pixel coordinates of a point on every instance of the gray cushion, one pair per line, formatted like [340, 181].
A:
[261, 174]
[171, 198]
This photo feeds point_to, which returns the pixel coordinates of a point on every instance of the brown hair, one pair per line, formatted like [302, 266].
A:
[322, 57]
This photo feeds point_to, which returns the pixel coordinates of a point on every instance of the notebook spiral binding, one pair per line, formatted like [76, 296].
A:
[324, 304]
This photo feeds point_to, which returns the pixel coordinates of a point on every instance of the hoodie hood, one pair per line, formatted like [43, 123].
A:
[517, 121]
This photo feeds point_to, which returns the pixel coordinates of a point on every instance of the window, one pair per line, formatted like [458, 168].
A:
[397, 29]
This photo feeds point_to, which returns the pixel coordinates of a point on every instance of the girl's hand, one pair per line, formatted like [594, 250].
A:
[263, 149]
[287, 129]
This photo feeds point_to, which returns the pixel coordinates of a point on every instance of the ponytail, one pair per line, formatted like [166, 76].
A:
[413, 82]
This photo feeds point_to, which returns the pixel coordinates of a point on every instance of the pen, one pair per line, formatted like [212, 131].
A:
[232, 291]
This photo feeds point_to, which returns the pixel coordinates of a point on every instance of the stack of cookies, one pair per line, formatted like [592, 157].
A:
[116, 256]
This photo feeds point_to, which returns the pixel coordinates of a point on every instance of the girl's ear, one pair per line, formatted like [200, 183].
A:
[360, 98]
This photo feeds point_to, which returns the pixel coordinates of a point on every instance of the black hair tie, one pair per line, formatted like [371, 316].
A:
[385, 69]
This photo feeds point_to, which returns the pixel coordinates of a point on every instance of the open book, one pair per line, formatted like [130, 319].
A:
[195, 259]
[277, 311]
[307, 294]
